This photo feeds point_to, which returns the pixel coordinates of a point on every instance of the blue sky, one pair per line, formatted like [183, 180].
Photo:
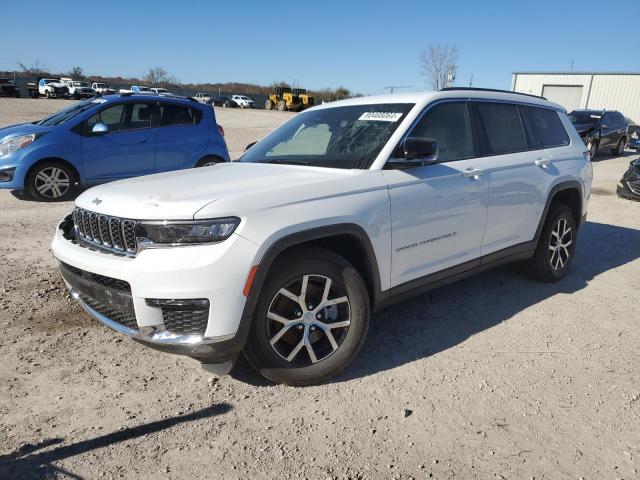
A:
[363, 45]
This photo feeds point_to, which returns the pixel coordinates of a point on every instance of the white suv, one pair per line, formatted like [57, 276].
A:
[243, 101]
[344, 209]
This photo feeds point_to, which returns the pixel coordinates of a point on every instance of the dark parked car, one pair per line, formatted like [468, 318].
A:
[225, 102]
[8, 88]
[601, 129]
[629, 185]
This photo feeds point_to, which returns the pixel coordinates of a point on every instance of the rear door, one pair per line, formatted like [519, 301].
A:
[520, 169]
[183, 136]
[438, 211]
[608, 131]
[127, 149]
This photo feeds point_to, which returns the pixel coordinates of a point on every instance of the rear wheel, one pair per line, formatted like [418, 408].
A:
[556, 246]
[311, 318]
[619, 150]
[209, 161]
[282, 106]
[268, 104]
[51, 182]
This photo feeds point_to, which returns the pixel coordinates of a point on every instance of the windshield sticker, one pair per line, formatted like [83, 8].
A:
[595, 116]
[99, 100]
[380, 116]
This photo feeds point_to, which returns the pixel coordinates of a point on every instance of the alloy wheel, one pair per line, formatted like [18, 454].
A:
[561, 239]
[52, 182]
[620, 150]
[308, 326]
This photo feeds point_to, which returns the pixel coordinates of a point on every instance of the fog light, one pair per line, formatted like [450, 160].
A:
[7, 174]
[180, 303]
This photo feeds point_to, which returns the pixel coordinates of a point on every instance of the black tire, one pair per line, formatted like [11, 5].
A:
[619, 150]
[317, 265]
[66, 182]
[208, 161]
[546, 264]
[268, 104]
[282, 106]
[47, 94]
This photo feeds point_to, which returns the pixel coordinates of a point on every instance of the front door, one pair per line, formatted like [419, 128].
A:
[438, 211]
[127, 149]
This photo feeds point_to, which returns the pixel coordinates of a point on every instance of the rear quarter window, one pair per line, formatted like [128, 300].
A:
[179, 115]
[549, 127]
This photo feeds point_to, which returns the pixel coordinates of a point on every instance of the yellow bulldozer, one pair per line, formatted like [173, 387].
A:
[285, 98]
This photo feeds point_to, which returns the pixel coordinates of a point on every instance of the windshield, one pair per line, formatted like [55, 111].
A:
[337, 137]
[100, 85]
[47, 82]
[66, 114]
[577, 118]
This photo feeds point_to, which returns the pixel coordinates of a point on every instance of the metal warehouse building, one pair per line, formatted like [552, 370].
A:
[611, 91]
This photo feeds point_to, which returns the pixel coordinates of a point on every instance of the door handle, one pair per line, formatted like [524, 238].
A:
[473, 173]
[542, 162]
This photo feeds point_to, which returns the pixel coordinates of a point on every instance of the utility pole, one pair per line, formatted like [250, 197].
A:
[393, 87]
[471, 81]
[571, 69]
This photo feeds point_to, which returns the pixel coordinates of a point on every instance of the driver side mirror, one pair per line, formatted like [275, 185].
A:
[249, 146]
[416, 152]
[99, 129]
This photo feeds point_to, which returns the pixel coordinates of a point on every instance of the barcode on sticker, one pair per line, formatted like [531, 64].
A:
[381, 116]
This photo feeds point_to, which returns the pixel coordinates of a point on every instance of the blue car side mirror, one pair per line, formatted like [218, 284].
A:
[99, 129]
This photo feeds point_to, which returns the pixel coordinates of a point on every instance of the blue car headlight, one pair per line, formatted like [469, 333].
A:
[14, 143]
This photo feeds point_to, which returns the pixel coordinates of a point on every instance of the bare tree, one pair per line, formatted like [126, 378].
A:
[76, 73]
[438, 64]
[159, 76]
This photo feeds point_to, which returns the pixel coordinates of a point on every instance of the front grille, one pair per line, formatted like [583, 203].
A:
[123, 317]
[185, 322]
[105, 232]
[634, 186]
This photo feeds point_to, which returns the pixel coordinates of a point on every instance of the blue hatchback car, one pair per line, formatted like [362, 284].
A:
[108, 138]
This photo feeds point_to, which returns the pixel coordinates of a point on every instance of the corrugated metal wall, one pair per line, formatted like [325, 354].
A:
[600, 90]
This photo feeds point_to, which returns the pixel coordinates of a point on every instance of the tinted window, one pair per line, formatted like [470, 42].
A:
[179, 115]
[502, 127]
[137, 115]
[550, 129]
[110, 116]
[450, 126]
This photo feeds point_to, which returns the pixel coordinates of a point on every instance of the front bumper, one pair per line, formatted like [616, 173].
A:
[209, 272]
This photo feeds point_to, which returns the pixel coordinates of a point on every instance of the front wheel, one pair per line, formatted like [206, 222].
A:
[556, 246]
[311, 318]
[51, 182]
[592, 146]
[47, 94]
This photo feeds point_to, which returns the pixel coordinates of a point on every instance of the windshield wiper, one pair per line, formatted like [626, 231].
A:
[286, 162]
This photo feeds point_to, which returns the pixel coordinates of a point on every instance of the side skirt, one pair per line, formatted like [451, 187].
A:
[424, 284]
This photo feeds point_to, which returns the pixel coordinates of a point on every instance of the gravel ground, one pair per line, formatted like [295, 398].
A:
[494, 377]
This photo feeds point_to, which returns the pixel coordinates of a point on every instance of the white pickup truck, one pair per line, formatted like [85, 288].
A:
[52, 88]
[102, 88]
[79, 88]
[138, 90]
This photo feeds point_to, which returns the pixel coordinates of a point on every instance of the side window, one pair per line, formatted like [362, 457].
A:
[530, 132]
[179, 115]
[549, 127]
[110, 116]
[137, 115]
[449, 124]
[502, 127]
[608, 120]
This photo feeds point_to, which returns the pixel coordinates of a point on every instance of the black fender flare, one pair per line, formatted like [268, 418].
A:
[566, 185]
[298, 238]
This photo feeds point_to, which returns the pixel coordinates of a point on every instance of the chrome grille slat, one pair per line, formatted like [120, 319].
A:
[113, 234]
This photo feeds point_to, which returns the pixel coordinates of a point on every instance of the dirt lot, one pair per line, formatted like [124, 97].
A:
[495, 377]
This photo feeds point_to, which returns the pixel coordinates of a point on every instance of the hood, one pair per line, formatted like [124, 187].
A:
[56, 84]
[21, 128]
[585, 127]
[227, 188]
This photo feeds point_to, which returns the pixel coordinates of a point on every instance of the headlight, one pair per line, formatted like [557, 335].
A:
[11, 144]
[185, 232]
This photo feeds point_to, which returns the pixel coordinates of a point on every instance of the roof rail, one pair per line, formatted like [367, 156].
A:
[476, 89]
[125, 94]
